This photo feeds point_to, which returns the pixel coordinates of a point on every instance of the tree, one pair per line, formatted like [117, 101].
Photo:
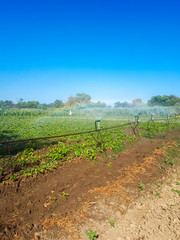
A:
[43, 106]
[71, 101]
[82, 98]
[137, 101]
[117, 104]
[58, 103]
[32, 104]
[2, 104]
[79, 99]
[101, 104]
[7, 104]
[123, 105]
[164, 100]
[21, 104]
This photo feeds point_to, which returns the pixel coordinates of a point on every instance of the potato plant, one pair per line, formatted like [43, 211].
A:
[28, 161]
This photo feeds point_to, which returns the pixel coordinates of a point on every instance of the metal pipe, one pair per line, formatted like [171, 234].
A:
[97, 124]
[64, 135]
[150, 120]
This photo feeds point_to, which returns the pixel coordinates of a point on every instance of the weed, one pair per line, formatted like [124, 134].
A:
[171, 152]
[171, 205]
[160, 186]
[177, 191]
[109, 164]
[168, 161]
[177, 183]
[112, 223]
[141, 186]
[54, 199]
[65, 194]
[92, 235]
[157, 194]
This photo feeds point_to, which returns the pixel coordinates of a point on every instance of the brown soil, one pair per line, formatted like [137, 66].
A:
[59, 205]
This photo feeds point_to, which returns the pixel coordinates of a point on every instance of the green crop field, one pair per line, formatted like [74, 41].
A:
[33, 123]
[39, 156]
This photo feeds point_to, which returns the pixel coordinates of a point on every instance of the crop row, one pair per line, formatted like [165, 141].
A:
[87, 146]
[33, 161]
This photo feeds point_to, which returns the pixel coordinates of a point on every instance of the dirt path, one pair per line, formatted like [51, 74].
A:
[154, 215]
[84, 196]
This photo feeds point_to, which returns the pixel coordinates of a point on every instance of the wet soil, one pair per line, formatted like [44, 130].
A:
[60, 204]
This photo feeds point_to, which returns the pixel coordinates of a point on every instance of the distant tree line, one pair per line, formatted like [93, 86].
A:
[82, 100]
[136, 102]
[165, 101]
[79, 99]
[30, 104]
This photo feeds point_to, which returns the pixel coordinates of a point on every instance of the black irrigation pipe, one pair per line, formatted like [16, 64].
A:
[169, 117]
[136, 122]
[64, 135]
[80, 133]
[132, 124]
[157, 119]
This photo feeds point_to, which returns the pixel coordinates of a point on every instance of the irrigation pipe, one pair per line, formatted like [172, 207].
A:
[8, 143]
[64, 135]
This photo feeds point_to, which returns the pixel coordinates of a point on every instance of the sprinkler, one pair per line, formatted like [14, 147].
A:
[97, 124]
[136, 118]
[135, 123]
[152, 117]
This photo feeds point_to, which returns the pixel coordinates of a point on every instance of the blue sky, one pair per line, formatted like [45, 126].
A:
[112, 50]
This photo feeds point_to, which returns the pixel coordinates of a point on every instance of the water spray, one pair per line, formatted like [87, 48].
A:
[97, 124]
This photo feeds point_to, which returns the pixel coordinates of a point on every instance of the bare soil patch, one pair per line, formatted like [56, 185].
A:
[64, 203]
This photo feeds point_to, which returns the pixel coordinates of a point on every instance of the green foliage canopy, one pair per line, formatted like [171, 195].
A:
[164, 100]
[82, 98]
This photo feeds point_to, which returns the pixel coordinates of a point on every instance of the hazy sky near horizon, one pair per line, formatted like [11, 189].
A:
[112, 50]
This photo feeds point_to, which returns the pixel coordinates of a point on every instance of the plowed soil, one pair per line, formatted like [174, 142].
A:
[83, 194]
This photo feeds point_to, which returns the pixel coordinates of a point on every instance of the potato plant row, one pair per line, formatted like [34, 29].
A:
[34, 161]
[38, 157]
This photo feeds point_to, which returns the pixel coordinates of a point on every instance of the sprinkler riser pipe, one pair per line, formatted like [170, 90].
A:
[97, 124]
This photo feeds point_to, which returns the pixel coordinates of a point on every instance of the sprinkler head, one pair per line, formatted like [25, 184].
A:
[97, 122]
[152, 116]
[136, 118]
